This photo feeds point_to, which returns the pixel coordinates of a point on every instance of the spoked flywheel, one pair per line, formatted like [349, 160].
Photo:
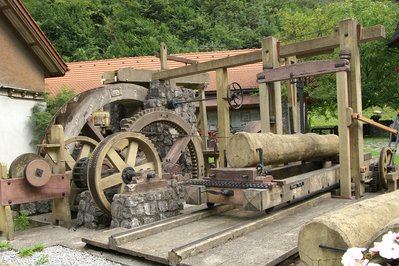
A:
[158, 124]
[128, 154]
[383, 166]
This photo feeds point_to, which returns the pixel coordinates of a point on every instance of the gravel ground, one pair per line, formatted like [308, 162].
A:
[54, 256]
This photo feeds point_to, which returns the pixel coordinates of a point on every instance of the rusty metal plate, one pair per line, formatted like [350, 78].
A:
[17, 167]
[18, 190]
[38, 172]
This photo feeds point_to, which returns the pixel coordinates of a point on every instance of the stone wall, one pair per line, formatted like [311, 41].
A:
[134, 209]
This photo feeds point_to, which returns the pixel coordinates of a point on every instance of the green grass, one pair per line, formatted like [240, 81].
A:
[331, 119]
[371, 144]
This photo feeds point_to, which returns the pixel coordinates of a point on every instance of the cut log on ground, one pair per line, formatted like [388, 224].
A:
[242, 148]
[353, 226]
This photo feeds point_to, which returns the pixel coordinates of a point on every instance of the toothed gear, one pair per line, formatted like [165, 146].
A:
[142, 122]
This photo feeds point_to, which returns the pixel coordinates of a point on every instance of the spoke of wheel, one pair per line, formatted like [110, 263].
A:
[69, 160]
[132, 153]
[144, 166]
[85, 151]
[116, 160]
[110, 181]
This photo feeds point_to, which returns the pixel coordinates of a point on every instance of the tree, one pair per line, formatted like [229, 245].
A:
[379, 81]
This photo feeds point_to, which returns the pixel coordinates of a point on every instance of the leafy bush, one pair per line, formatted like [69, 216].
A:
[21, 221]
[27, 252]
[5, 245]
[41, 119]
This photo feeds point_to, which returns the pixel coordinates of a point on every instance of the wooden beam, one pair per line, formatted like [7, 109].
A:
[271, 59]
[344, 140]
[305, 48]
[231, 61]
[163, 56]
[180, 59]
[349, 31]
[223, 112]
[373, 123]
[132, 75]
[305, 69]
[264, 98]
[328, 43]
[292, 100]
[203, 118]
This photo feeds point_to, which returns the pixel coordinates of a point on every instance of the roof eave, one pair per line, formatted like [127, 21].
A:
[19, 17]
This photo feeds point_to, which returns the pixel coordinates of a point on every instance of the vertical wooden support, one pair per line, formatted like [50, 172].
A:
[223, 111]
[344, 136]
[163, 56]
[203, 117]
[60, 207]
[270, 105]
[3, 170]
[6, 222]
[349, 38]
[292, 100]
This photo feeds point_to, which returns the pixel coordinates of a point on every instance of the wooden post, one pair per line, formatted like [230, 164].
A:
[56, 149]
[270, 104]
[6, 222]
[203, 117]
[223, 112]
[163, 56]
[349, 38]
[292, 100]
[344, 137]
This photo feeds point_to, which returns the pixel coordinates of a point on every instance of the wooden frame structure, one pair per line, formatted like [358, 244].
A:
[348, 38]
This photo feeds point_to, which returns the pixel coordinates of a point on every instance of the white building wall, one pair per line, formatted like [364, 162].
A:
[15, 131]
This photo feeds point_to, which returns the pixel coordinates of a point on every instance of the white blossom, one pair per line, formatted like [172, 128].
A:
[353, 257]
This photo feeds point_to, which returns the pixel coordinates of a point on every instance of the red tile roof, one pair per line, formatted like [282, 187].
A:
[86, 75]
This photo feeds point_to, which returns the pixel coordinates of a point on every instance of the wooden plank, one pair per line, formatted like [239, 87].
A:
[100, 239]
[223, 112]
[17, 190]
[160, 226]
[176, 255]
[344, 140]
[305, 69]
[348, 37]
[305, 48]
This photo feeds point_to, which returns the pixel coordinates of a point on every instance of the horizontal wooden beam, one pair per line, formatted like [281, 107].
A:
[231, 61]
[179, 59]
[373, 123]
[328, 43]
[131, 75]
[301, 49]
[305, 69]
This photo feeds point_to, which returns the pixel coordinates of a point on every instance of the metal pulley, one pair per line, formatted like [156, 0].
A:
[235, 98]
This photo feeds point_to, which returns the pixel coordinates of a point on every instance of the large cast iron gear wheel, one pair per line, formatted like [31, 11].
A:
[140, 121]
[124, 150]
